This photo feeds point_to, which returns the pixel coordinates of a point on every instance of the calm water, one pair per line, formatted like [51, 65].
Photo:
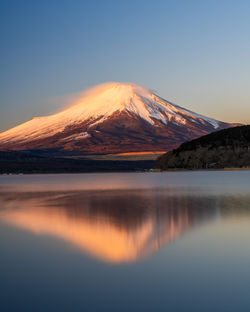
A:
[177, 241]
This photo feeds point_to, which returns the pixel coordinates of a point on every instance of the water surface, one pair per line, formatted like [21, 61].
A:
[177, 241]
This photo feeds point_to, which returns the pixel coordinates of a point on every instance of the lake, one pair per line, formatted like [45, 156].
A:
[171, 241]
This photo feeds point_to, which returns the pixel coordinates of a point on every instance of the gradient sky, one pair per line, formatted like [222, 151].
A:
[194, 53]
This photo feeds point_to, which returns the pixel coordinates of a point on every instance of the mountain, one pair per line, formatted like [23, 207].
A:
[228, 148]
[112, 118]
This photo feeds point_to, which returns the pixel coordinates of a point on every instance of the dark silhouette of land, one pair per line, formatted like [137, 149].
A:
[35, 162]
[228, 148]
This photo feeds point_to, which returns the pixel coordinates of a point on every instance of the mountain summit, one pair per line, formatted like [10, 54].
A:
[112, 118]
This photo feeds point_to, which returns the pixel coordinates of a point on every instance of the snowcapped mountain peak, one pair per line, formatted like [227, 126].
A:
[118, 89]
[118, 111]
[114, 92]
[108, 98]
[104, 100]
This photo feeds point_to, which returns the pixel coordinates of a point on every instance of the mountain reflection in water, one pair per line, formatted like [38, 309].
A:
[115, 226]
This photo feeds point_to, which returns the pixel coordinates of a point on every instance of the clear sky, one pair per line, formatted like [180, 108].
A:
[194, 53]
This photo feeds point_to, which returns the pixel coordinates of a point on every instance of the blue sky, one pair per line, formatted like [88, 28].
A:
[194, 53]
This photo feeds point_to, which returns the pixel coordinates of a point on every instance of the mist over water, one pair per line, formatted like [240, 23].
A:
[175, 240]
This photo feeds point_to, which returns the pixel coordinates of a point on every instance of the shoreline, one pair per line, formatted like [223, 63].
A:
[125, 171]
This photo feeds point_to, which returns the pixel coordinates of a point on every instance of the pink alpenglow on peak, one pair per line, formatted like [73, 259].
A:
[112, 118]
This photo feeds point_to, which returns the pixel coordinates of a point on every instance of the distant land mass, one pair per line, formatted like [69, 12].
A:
[228, 148]
[109, 119]
[27, 162]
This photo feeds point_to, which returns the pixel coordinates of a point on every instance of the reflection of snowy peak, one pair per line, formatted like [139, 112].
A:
[112, 117]
[105, 226]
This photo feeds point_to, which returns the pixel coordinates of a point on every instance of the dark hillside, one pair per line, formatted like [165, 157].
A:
[222, 149]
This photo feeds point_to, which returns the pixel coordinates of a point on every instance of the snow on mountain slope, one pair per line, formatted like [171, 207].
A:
[107, 102]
